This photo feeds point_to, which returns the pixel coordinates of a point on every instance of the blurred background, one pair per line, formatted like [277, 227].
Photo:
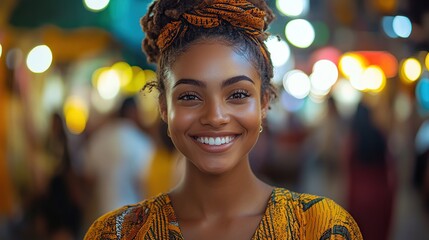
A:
[78, 137]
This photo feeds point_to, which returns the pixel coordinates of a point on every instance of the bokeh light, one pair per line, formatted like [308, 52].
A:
[108, 84]
[137, 82]
[411, 70]
[373, 79]
[387, 24]
[422, 93]
[427, 61]
[76, 114]
[279, 50]
[402, 26]
[300, 33]
[346, 97]
[1, 49]
[39, 59]
[100, 104]
[351, 65]
[125, 73]
[293, 8]
[327, 72]
[96, 5]
[297, 84]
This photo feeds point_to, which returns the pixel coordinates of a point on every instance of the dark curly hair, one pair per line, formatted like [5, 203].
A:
[163, 12]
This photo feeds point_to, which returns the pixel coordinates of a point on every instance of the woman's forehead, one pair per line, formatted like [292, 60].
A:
[211, 59]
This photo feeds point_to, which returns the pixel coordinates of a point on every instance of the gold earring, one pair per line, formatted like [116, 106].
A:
[261, 129]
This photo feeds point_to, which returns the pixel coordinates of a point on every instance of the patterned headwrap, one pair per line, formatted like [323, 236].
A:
[239, 13]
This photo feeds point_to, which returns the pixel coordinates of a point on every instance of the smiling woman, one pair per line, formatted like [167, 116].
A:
[214, 75]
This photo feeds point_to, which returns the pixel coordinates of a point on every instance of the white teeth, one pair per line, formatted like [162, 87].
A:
[215, 141]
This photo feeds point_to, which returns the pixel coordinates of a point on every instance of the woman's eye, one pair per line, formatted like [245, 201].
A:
[189, 97]
[239, 95]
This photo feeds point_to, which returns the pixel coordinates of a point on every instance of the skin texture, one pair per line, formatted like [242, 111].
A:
[213, 91]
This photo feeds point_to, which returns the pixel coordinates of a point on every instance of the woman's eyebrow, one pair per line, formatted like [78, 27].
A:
[189, 82]
[236, 79]
[225, 83]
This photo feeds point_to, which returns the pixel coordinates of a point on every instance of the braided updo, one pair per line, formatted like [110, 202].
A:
[163, 12]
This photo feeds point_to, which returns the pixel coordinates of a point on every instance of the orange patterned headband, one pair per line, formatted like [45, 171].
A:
[239, 13]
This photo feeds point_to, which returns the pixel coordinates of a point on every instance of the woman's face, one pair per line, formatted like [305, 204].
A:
[213, 106]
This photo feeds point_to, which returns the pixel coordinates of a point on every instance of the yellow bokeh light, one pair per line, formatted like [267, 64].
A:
[124, 72]
[137, 83]
[374, 79]
[76, 114]
[1, 50]
[427, 61]
[411, 69]
[352, 65]
[150, 75]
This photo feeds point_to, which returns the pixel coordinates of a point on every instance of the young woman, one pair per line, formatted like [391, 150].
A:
[214, 76]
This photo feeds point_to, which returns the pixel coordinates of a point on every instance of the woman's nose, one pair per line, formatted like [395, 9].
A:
[215, 114]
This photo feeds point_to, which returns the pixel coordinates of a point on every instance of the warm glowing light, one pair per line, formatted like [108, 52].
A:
[76, 114]
[324, 76]
[357, 82]
[373, 79]
[427, 61]
[124, 72]
[351, 65]
[300, 33]
[279, 51]
[150, 75]
[297, 84]
[137, 83]
[293, 8]
[411, 69]
[383, 59]
[402, 26]
[96, 5]
[422, 93]
[1, 50]
[108, 84]
[39, 59]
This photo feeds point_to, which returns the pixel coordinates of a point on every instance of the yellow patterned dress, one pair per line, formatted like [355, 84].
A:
[288, 215]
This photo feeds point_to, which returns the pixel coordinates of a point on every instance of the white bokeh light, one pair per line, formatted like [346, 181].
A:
[293, 8]
[279, 51]
[96, 5]
[109, 84]
[300, 33]
[297, 84]
[324, 76]
[39, 59]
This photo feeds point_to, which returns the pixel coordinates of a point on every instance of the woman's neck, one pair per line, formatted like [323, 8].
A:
[202, 195]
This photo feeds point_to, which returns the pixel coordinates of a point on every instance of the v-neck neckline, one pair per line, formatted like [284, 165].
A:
[174, 221]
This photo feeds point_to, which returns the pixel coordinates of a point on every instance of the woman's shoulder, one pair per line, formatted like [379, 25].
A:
[125, 222]
[321, 216]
